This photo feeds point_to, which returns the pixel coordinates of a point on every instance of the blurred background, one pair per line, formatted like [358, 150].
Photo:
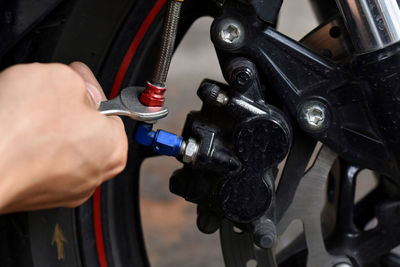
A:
[169, 223]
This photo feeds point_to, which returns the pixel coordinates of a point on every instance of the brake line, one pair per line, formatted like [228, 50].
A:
[153, 95]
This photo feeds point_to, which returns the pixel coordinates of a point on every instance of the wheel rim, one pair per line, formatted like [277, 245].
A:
[117, 224]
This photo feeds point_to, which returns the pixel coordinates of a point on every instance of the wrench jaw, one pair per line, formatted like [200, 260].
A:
[113, 108]
[128, 104]
[130, 98]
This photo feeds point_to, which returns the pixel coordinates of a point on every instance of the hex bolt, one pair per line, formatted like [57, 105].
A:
[314, 116]
[189, 151]
[242, 77]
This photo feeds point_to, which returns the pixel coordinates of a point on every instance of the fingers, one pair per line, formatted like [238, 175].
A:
[92, 85]
[115, 126]
[117, 156]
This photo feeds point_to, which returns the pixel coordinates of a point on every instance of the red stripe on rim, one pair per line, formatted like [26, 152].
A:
[130, 53]
[98, 228]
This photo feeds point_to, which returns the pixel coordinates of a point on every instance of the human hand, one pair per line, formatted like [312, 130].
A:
[55, 147]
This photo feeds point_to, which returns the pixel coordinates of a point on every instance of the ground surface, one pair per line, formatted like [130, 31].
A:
[171, 235]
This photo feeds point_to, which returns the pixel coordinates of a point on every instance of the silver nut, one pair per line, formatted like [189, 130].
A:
[190, 151]
[314, 115]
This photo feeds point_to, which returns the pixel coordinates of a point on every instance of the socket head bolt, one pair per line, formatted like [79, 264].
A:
[189, 151]
[229, 33]
[314, 116]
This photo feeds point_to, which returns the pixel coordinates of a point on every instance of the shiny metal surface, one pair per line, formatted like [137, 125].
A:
[372, 24]
[190, 151]
[343, 264]
[128, 104]
[313, 115]
[239, 250]
[307, 206]
[230, 33]
[167, 43]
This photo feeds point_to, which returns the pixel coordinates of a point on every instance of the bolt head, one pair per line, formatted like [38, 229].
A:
[222, 98]
[230, 33]
[343, 264]
[242, 77]
[265, 235]
[266, 241]
[190, 151]
[314, 116]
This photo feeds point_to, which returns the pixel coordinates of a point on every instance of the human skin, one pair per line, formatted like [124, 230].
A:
[55, 147]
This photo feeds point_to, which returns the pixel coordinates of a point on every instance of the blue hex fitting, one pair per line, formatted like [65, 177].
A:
[162, 142]
[144, 134]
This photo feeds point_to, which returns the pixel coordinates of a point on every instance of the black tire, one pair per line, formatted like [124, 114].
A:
[106, 230]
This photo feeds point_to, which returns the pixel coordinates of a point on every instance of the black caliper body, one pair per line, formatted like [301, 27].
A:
[241, 141]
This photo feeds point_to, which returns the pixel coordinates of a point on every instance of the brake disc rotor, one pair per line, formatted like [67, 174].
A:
[307, 205]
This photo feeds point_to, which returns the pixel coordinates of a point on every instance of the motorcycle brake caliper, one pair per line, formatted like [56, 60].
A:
[240, 141]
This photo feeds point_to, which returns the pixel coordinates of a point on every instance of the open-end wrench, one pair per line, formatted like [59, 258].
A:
[128, 104]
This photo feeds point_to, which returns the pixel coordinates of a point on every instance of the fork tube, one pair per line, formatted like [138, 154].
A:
[372, 24]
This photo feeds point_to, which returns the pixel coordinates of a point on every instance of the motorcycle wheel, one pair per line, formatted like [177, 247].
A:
[119, 41]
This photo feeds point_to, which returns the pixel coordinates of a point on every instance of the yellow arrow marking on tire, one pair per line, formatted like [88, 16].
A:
[59, 240]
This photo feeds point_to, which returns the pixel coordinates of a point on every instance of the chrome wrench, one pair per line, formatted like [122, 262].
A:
[127, 104]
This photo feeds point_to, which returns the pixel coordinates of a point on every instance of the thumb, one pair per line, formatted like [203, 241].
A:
[94, 89]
